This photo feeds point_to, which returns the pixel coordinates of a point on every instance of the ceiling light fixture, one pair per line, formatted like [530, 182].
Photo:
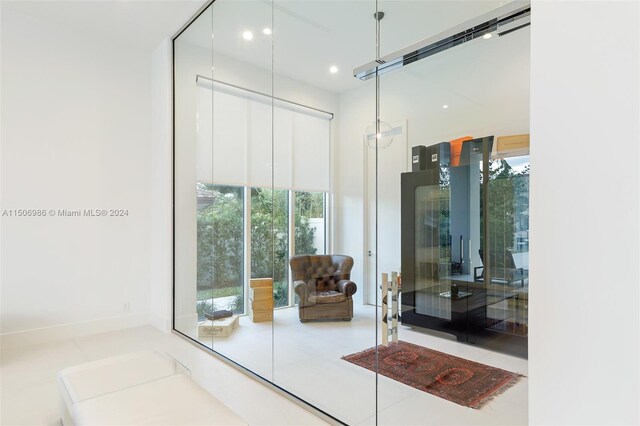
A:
[333, 69]
[247, 35]
[486, 36]
[266, 31]
[445, 106]
[380, 136]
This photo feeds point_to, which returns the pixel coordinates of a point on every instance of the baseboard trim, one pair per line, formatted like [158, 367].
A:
[72, 330]
[187, 322]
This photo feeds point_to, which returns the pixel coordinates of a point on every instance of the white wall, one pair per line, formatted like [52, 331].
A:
[75, 135]
[584, 340]
[356, 112]
[161, 261]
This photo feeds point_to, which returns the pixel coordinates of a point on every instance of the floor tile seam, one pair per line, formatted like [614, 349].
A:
[384, 409]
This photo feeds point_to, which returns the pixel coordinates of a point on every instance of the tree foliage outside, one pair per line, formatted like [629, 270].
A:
[508, 207]
[270, 239]
[308, 205]
[220, 236]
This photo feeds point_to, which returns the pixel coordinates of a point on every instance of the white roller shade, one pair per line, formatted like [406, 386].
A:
[311, 136]
[235, 132]
[227, 154]
[258, 157]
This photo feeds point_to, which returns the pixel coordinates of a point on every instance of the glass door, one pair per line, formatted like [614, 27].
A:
[463, 91]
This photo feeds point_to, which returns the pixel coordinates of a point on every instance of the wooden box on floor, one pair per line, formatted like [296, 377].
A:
[261, 299]
[219, 328]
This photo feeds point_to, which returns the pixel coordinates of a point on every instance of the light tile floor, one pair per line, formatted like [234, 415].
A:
[29, 395]
[307, 363]
[305, 359]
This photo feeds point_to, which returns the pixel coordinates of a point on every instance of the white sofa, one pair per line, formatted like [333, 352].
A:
[142, 388]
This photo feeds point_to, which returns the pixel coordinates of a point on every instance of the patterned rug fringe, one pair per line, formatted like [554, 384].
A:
[502, 389]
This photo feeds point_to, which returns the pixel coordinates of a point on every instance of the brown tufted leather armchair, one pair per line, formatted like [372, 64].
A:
[323, 285]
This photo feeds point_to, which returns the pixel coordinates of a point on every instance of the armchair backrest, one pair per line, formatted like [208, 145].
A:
[323, 271]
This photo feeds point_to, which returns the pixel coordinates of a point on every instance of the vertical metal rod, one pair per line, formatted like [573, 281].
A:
[376, 197]
[213, 109]
[292, 242]
[394, 307]
[485, 210]
[247, 245]
[384, 294]
[273, 168]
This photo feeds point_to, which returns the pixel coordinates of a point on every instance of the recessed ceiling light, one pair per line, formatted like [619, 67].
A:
[445, 106]
[333, 69]
[486, 36]
[213, 68]
[266, 31]
[247, 35]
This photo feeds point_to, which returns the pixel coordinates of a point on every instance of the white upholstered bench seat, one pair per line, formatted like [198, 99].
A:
[143, 388]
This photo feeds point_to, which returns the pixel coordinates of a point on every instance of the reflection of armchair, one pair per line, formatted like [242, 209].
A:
[322, 283]
[503, 268]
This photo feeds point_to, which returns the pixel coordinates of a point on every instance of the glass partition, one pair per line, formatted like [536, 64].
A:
[361, 243]
[228, 215]
[463, 217]
[194, 194]
[507, 258]
[324, 319]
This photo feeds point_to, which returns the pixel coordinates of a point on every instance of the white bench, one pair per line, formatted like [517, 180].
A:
[142, 388]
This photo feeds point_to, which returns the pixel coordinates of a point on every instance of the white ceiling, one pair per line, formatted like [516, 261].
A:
[311, 35]
[141, 23]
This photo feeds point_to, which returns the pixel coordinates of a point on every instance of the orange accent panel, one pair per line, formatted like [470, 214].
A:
[456, 149]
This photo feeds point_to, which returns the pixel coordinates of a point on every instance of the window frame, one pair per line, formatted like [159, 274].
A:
[247, 243]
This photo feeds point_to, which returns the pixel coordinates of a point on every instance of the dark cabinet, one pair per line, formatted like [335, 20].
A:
[444, 231]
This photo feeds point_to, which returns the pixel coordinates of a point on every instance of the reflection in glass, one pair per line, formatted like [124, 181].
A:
[310, 223]
[508, 243]
[270, 240]
[220, 249]
[272, 161]
[432, 251]
[464, 233]
[193, 288]
[223, 146]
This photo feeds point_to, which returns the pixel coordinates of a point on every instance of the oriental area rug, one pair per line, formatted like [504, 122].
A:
[456, 379]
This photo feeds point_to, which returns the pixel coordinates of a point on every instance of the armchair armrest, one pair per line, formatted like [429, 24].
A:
[347, 287]
[302, 290]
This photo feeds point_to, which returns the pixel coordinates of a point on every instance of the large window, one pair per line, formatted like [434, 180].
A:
[220, 237]
[310, 223]
[221, 231]
[270, 240]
